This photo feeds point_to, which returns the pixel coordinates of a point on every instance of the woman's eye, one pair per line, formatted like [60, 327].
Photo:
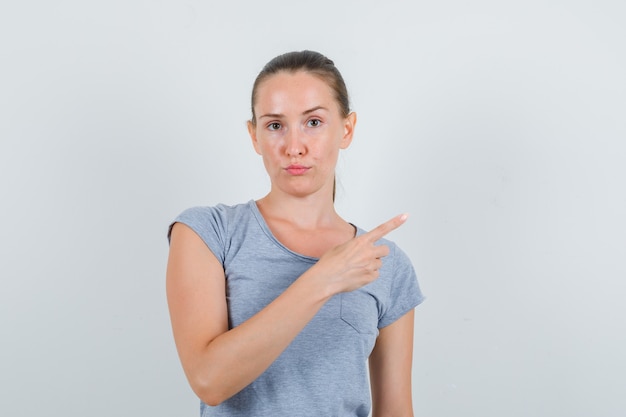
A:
[313, 123]
[273, 126]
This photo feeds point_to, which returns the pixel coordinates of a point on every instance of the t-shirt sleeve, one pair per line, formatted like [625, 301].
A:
[404, 292]
[210, 223]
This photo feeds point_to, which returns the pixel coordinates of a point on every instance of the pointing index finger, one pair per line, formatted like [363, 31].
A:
[381, 230]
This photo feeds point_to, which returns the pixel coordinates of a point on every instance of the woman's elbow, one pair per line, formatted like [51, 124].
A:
[211, 401]
[208, 391]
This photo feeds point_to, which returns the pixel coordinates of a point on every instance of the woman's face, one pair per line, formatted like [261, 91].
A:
[299, 131]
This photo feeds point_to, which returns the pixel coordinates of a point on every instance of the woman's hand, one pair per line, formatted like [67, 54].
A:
[356, 263]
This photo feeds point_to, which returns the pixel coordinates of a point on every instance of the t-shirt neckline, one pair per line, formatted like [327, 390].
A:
[266, 229]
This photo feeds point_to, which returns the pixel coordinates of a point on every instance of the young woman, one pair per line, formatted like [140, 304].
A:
[277, 304]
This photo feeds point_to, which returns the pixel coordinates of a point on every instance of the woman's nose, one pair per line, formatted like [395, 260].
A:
[295, 146]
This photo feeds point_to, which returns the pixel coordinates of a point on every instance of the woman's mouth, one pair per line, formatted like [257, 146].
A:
[296, 169]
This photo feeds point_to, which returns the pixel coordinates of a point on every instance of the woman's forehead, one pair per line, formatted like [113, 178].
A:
[286, 90]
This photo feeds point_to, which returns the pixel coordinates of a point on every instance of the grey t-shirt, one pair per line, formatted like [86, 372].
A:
[323, 372]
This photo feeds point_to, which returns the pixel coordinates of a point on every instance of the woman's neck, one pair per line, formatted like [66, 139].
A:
[310, 212]
[308, 226]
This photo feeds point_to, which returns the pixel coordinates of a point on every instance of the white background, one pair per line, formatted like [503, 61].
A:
[500, 126]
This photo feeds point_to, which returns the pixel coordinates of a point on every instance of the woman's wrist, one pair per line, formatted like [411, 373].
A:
[316, 283]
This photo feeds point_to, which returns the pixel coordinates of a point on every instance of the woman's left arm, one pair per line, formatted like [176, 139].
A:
[390, 369]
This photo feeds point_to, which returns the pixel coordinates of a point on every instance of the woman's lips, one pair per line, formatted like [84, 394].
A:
[296, 169]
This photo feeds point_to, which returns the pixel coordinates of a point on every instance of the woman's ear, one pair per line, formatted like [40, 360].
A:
[348, 125]
[252, 133]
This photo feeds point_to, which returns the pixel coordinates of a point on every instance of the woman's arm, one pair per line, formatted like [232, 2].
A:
[219, 362]
[390, 369]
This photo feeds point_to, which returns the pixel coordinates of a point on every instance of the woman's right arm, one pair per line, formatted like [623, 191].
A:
[219, 362]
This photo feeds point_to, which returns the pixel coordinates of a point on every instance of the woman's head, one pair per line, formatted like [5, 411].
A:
[300, 121]
[311, 62]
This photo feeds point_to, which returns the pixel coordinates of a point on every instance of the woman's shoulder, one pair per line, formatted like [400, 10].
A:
[219, 216]
[219, 211]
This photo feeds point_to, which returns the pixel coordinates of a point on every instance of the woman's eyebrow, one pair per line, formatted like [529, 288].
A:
[272, 115]
[314, 109]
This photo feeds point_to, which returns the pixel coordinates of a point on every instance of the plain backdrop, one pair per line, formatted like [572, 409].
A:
[500, 126]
